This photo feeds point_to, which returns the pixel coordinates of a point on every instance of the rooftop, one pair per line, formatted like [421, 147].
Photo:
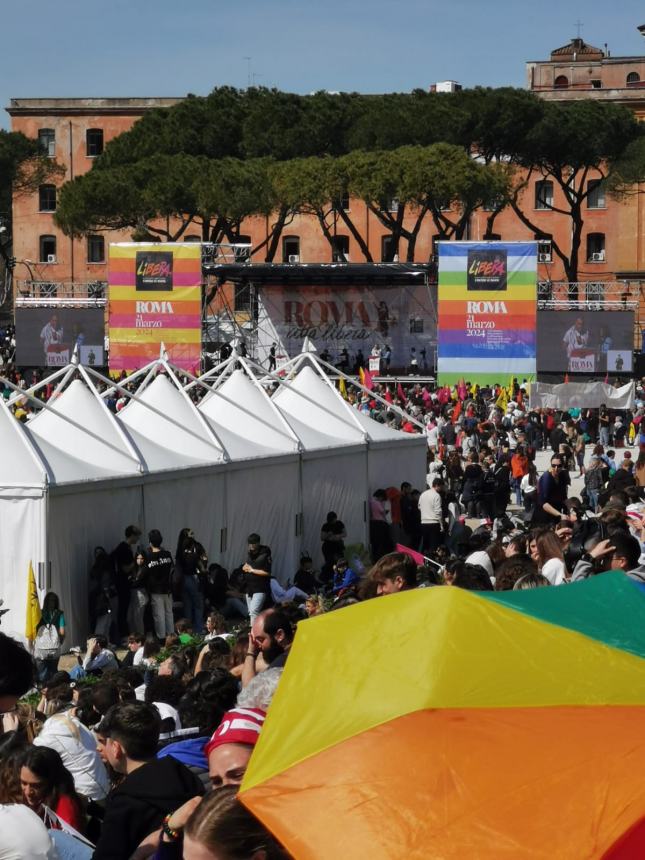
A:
[135, 105]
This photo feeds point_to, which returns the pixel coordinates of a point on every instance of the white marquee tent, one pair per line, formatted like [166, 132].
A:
[75, 475]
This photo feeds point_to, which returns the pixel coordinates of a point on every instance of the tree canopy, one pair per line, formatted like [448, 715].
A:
[215, 160]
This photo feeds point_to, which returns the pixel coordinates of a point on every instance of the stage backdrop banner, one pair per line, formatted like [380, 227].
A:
[47, 337]
[155, 296]
[487, 311]
[401, 318]
[585, 341]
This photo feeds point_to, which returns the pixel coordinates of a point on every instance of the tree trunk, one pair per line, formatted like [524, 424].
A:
[362, 244]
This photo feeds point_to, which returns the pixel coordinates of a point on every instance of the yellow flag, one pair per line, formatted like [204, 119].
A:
[342, 388]
[361, 375]
[502, 400]
[33, 606]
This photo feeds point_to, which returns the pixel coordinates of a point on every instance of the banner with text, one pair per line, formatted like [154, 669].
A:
[47, 337]
[585, 341]
[487, 311]
[155, 296]
[401, 321]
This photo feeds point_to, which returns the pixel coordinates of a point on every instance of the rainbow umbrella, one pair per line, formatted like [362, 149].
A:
[439, 723]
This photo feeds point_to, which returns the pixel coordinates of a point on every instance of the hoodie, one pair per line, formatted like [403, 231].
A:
[138, 806]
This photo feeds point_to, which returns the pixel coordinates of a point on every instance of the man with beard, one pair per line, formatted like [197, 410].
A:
[272, 637]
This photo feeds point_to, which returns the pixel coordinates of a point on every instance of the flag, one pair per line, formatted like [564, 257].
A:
[607, 378]
[361, 375]
[566, 378]
[418, 558]
[33, 606]
[462, 391]
[502, 400]
[367, 380]
[400, 393]
[342, 388]
[456, 412]
[387, 395]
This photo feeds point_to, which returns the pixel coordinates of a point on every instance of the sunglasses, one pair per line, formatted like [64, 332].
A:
[556, 465]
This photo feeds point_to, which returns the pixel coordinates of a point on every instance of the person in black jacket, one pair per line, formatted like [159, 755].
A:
[158, 577]
[152, 788]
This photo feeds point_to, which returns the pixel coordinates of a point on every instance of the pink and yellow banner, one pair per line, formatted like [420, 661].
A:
[155, 297]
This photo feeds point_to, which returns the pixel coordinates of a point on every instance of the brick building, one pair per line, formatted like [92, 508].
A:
[76, 130]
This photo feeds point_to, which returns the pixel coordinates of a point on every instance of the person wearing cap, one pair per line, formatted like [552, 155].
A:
[258, 575]
[229, 750]
[123, 558]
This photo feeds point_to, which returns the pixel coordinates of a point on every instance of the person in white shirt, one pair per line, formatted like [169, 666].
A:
[431, 509]
[77, 748]
[23, 834]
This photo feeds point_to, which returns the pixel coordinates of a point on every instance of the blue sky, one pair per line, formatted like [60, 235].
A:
[164, 48]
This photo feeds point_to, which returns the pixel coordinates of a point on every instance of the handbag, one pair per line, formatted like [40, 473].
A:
[47, 644]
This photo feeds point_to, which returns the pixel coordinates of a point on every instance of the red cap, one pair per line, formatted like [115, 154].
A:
[238, 726]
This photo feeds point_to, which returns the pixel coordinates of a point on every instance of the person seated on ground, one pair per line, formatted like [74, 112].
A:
[184, 630]
[345, 579]
[223, 595]
[98, 659]
[305, 578]
[314, 605]
[620, 551]
[152, 787]
[215, 627]
[201, 709]
[529, 581]
[215, 654]
[550, 557]
[48, 785]
[272, 636]
[174, 665]
[221, 827]
[230, 748]
[394, 572]
[134, 655]
[478, 551]
[513, 569]
[286, 595]
[472, 577]
[164, 692]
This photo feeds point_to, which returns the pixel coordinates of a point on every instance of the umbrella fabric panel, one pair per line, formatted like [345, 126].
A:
[535, 783]
[607, 607]
[434, 648]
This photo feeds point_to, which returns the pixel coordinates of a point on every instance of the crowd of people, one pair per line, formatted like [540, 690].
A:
[138, 747]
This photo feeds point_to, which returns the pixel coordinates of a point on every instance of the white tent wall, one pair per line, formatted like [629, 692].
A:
[392, 462]
[22, 540]
[192, 500]
[79, 519]
[264, 498]
[334, 481]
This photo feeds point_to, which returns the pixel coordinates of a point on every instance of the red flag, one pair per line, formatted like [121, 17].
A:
[607, 378]
[387, 395]
[367, 380]
[418, 558]
[400, 393]
[456, 412]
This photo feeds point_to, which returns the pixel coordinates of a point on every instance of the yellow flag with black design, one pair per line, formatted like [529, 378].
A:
[33, 606]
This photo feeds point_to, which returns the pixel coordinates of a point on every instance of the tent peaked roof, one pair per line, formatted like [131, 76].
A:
[246, 421]
[79, 439]
[167, 429]
[313, 402]
[378, 432]
[21, 465]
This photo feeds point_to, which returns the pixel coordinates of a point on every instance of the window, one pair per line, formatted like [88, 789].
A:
[416, 325]
[561, 82]
[340, 249]
[47, 249]
[387, 249]
[47, 139]
[291, 249]
[596, 84]
[493, 204]
[544, 194]
[393, 204]
[343, 203]
[596, 248]
[242, 255]
[494, 237]
[94, 142]
[545, 253]
[192, 238]
[633, 79]
[95, 249]
[47, 198]
[596, 194]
